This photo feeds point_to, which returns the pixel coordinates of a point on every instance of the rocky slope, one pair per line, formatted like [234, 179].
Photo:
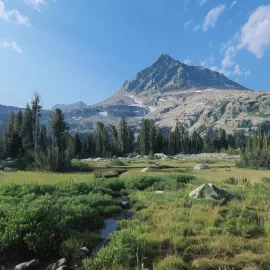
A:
[170, 91]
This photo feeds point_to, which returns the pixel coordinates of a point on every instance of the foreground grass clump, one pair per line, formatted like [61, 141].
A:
[48, 219]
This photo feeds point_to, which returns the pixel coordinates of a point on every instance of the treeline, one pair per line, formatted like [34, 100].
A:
[256, 153]
[38, 149]
[52, 148]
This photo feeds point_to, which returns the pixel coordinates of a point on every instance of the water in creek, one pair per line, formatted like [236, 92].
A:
[110, 226]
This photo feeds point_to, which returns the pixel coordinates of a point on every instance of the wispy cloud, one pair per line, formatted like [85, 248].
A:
[36, 4]
[233, 4]
[188, 62]
[13, 45]
[247, 73]
[186, 2]
[255, 34]
[13, 16]
[196, 28]
[212, 17]
[201, 2]
[187, 23]
[209, 61]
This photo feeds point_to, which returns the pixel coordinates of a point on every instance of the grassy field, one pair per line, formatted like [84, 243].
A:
[168, 231]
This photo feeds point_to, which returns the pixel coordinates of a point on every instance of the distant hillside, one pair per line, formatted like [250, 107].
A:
[67, 107]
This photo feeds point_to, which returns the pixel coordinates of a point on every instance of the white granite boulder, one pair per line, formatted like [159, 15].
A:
[202, 166]
[212, 192]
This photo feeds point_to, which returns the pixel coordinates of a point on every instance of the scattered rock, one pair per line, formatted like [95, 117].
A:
[97, 159]
[159, 192]
[160, 156]
[60, 263]
[7, 169]
[65, 267]
[212, 192]
[144, 170]
[9, 159]
[124, 204]
[201, 167]
[27, 265]
[84, 250]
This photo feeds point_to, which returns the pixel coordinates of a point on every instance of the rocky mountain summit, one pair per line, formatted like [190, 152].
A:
[72, 106]
[167, 74]
[169, 91]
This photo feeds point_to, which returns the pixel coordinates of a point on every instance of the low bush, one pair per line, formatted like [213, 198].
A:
[45, 219]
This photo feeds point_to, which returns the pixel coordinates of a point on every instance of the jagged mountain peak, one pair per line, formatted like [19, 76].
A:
[165, 57]
[167, 74]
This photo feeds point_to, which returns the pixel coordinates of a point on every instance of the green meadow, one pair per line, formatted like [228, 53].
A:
[49, 216]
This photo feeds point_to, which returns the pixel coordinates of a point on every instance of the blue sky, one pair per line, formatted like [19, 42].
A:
[85, 50]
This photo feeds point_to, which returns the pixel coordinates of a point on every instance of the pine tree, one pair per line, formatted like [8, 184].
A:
[130, 140]
[123, 135]
[27, 130]
[115, 143]
[160, 143]
[78, 145]
[42, 139]
[153, 140]
[36, 108]
[58, 126]
[144, 137]
[18, 122]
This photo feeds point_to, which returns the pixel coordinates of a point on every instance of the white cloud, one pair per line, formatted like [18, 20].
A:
[212, 17]
[13, 45]
[188, 62]
[35, 3]
[247, 73]
[255, 34]
[230, 53]
[237, 70]
[239, 12]
[208, 62]
[202, 2]
[196, 28]
[187, 23]
[210, 44]
[233, 4]
[13, 16]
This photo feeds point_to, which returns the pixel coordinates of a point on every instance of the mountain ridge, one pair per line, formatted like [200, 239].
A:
[169, 91]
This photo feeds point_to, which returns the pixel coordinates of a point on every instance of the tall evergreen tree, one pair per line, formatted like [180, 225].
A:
[58, 126]
[36, 108]
[78, 144]
[114, 141]
[18, 122]
[27, 129]
[130, 139]
[123, 135]
[144, 137]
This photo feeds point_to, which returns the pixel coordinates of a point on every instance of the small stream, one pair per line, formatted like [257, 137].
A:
[110, 227]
